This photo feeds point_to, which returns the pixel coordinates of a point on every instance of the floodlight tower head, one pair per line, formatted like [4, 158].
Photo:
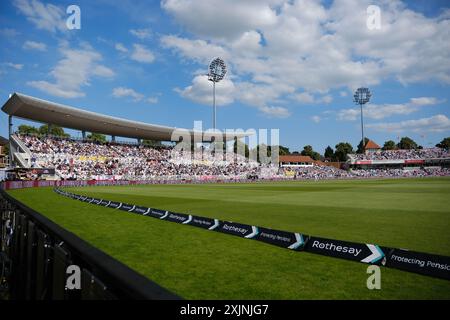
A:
[362, 96]
[217, 70]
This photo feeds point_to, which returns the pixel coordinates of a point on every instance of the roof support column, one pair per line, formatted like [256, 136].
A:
[83, 134]
[10, 126]
[10, 132]
[113, 138]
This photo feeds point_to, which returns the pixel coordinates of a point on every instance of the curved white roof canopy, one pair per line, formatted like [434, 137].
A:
[31, 108]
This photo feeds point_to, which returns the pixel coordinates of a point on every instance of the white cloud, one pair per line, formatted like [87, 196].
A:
[32, 45]
[16, 66]
[316, 119]
[152, 100]
[222, 19]
[142, 54]
[201, 91]
[227, 92]
[120, 47]
[120, 92]
[304, 46]
[410, 46]
[437, 123]
[260, 95]
[304, 97]
[275, 112]
[308, 98]
[44, 16]
[326, 99]
[56, 89]
[102, 71]
[198, 50]
[73, 71]
[141, 33]
[377, 112]
[425, 101]
[248, 44]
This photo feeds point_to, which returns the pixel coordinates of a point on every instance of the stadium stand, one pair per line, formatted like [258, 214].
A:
[86, 160]
[422, 154]
[296, 160]
[37, 158]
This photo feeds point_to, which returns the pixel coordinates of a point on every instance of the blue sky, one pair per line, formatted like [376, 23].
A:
[293, 65]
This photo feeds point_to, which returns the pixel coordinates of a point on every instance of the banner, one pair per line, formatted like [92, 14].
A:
[113, 205]
[88, 199]
[160, 214]
[427, 264]
[365, 253]
[104, 203]
[205, 223]
[290, 240]
[237, 229]
[140, 210]
[177, 217]
[126, 207]
[9, 185]
[40, 171]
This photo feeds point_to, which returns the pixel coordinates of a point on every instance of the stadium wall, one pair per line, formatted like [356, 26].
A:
[11, 185]
[42, 258]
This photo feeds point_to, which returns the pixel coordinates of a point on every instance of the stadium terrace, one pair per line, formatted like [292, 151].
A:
[64, 158]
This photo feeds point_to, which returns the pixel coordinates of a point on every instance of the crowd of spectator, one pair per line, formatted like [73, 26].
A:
[413, 172]
[74, 159]
[413, 154]
[84, 160]
[316, 172]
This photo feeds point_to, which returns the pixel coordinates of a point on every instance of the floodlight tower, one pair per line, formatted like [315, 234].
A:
[217, 70]
[361, 97]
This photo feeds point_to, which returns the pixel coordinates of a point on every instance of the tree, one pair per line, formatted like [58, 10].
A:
[316, 155]
[28, 130]
[389, 145]
[342, 149]
[96, 137]
[54, 131]
[241, 145]
[268, 151]
[407, 143]
[360, 145]
[151, 143]
[283, 151]
[444, 144]
[309, 151]
[329, 153]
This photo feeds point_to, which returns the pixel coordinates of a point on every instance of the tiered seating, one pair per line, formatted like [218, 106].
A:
[419, 154]
[83, 160]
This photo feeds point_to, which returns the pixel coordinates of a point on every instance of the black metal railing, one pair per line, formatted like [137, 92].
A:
[36, 255]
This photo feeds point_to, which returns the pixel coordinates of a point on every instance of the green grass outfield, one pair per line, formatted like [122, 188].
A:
[202, 264]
